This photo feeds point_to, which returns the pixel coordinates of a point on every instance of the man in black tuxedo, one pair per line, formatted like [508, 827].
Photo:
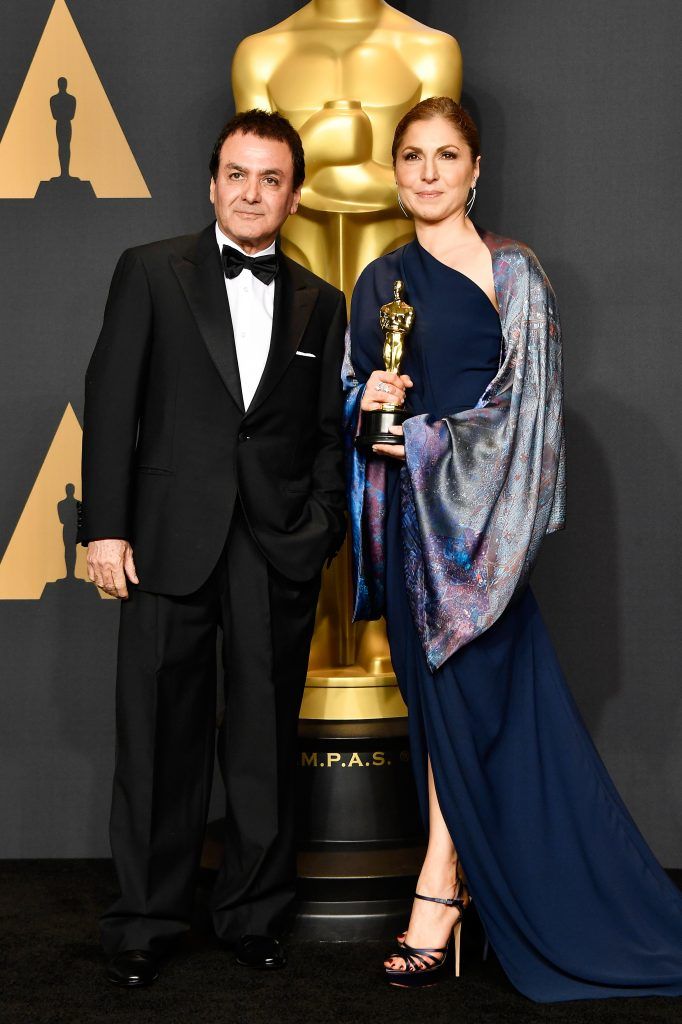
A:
[213, 493]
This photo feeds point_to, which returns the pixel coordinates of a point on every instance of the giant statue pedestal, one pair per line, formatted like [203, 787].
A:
[361, 841]
[360, 836]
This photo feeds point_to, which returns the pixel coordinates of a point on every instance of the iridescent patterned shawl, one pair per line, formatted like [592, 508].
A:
[482, 487]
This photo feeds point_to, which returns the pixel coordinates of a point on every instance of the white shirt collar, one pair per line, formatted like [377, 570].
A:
[224, 240]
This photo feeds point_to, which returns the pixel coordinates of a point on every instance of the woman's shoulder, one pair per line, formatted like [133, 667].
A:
[508, 248]
[515, 262]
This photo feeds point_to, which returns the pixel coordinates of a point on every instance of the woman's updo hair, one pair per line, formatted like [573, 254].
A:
[439, 106]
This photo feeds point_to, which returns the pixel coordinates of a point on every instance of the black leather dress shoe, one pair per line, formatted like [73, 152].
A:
[260, 951]
[133, 968]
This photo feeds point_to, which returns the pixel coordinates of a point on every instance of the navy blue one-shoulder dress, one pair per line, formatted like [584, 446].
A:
[574, 902]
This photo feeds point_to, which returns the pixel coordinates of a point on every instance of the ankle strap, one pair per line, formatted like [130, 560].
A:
[436, 899]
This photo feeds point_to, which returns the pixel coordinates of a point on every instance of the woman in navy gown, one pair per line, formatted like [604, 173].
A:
[522, 814]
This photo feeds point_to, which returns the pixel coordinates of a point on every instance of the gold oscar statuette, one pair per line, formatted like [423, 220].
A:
[396, 319]
[344, 72]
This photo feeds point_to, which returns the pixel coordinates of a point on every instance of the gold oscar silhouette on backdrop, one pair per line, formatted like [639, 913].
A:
[63, 108]
[98, 153]
[42, 550]
[344, 72]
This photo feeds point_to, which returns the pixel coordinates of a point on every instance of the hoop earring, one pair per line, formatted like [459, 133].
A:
[470, 201]
[400, 204]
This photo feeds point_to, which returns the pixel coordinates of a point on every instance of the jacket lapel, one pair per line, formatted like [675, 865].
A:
[200, 273]
[293, 306]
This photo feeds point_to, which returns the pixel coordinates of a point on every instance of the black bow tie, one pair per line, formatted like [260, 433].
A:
[263, 267]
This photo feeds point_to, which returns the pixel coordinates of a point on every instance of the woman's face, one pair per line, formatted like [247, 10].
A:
[434, 170]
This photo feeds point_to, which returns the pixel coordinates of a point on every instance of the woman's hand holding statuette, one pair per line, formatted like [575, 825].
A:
[391, 390]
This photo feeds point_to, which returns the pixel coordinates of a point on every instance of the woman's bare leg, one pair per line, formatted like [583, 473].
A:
[431, 923]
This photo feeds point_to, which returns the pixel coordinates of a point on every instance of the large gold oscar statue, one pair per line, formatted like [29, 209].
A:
[344, 72]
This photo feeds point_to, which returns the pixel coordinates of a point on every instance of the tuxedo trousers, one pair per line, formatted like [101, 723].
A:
[165, 742]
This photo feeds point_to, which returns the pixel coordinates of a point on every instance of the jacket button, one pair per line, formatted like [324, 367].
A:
[242, 436]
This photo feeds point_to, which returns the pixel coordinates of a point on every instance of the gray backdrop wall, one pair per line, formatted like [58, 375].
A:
[578, 105]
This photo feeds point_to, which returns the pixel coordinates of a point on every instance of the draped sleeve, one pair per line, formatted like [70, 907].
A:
[366, 478]
[483, 486]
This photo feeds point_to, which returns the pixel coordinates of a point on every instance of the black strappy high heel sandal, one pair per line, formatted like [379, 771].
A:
[425, 966]
[461, 893]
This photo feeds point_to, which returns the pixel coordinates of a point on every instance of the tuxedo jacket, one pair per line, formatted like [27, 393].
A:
[168, 447]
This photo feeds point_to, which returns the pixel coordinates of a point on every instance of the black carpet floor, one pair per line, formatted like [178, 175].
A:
[51, 973]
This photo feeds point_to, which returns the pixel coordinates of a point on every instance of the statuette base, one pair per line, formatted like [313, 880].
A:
[375, 428]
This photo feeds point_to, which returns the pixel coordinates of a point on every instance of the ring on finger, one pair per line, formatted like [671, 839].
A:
[382, 386]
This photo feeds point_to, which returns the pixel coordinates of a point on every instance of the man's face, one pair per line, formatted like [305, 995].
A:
[253, 192]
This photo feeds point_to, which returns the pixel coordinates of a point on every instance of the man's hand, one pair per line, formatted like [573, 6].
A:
[390, 390]
[109, 563]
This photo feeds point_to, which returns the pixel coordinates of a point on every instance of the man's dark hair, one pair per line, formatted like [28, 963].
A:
[263, 125]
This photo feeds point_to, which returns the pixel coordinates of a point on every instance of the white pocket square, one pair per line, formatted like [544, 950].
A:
[310, 355]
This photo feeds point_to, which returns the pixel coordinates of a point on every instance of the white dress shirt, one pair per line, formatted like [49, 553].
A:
[251, 304]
